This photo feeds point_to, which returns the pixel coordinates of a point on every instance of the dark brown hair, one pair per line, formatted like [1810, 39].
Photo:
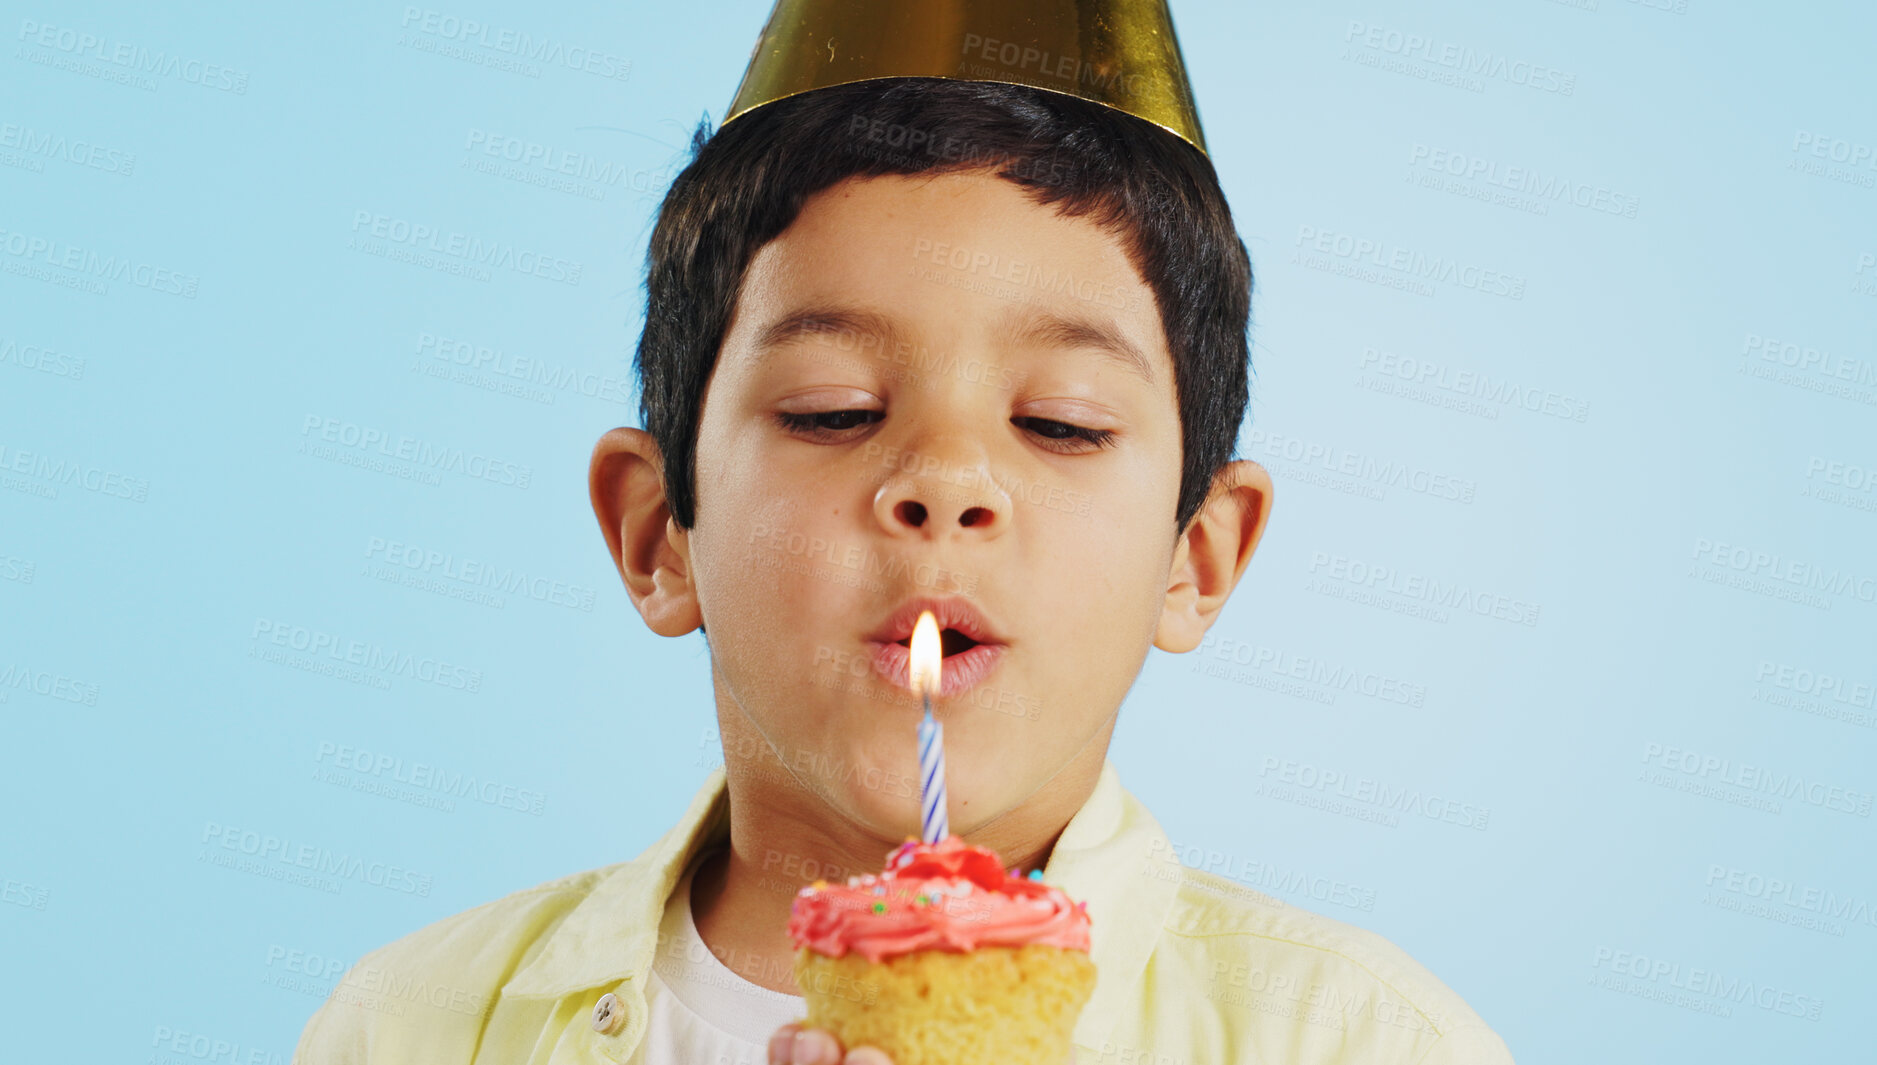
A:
[747, 181]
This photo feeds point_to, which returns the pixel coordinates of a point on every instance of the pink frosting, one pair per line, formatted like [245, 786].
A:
[944, 896]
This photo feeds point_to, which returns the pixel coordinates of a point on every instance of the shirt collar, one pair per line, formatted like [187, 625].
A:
[1112, 856]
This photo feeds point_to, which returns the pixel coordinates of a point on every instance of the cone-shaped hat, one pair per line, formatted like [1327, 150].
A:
[1121, 53]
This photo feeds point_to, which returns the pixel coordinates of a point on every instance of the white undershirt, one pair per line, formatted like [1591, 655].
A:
[700, 1011]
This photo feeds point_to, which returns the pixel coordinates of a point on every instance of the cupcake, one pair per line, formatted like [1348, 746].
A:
[944, 958]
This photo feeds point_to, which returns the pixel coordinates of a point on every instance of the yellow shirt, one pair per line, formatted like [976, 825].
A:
[1191, 968]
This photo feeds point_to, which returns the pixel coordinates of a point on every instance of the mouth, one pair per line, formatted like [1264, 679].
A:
[971, 647]
[951, 642]
[961, 625]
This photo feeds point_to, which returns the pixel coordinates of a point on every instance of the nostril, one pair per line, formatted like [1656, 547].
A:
[911, 512]
[974, 516]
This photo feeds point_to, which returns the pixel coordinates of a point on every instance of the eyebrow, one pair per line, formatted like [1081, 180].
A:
[1048, 328]
[877, 331]
[874, 330]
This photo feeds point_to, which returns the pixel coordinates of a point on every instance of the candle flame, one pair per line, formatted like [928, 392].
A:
[926, 654]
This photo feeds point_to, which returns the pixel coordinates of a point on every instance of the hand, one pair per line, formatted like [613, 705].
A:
[795, 1045]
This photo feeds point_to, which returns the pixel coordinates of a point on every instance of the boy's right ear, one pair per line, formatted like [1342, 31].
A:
[627, 485]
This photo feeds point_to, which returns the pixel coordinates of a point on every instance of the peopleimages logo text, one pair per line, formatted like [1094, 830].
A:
[366, 655]
[419, 453]
[1773, 566]
[1779, 784]
[133, 57]
[465, 247]
[1709, 982]
[1461, 58]
[97, 266]
[518, 43]
[1409, 263]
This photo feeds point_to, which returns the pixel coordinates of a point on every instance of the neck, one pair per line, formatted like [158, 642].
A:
[784, 837]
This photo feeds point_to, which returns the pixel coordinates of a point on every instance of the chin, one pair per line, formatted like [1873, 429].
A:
[890, 811]
[1001, 791]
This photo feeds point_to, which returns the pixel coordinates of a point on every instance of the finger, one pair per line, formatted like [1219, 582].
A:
[781, 1042]
[815, 1046]
[866, 1056]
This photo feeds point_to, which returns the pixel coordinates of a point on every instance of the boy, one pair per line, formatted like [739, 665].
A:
[971, 346]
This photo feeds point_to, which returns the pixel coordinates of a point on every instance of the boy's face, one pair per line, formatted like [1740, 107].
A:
[901, 409]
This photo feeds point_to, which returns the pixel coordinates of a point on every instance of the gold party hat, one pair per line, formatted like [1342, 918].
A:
[1121, 53]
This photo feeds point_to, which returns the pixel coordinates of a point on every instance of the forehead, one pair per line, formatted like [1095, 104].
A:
[959, 258]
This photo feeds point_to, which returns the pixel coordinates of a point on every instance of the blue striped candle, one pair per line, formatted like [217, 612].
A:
[926, 658]
[932, 776]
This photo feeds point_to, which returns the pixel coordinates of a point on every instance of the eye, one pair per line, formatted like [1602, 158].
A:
[1063, 433]
[824, 424]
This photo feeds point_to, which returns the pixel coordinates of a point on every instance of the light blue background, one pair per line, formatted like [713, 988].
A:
[113, 928]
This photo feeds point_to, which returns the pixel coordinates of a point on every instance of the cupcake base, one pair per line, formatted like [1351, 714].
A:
[1011, 1005]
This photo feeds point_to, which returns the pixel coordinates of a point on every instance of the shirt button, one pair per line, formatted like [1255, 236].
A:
[607, 1013]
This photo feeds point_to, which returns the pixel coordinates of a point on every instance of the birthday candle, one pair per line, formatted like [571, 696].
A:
[932, 775]
[925, 679]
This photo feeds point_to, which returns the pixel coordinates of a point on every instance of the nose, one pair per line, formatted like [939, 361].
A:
[942, 495]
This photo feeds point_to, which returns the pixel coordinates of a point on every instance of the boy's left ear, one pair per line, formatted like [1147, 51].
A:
[1212, 554]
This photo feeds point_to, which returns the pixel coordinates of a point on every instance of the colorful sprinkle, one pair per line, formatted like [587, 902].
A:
[924, 900]
[1036, 874]
[879, 907]
[879, 889]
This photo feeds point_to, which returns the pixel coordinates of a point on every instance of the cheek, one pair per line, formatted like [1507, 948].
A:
[1128, 524]
[1108, 580]
[740, 549]
[765, 556]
